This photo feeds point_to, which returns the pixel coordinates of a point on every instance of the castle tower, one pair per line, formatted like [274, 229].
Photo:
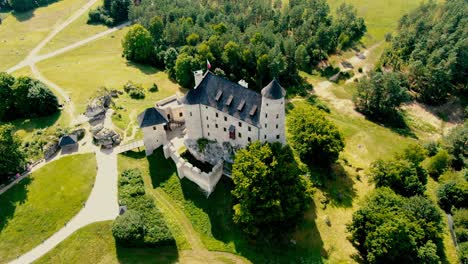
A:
[272, 115]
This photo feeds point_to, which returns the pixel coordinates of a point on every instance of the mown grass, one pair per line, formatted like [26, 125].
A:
[43, 203]
[82, 71]
[94, 243]
[21, 32]
[76, 31]
[381, 17]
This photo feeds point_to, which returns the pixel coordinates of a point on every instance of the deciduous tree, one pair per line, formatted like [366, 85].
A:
[137, 44]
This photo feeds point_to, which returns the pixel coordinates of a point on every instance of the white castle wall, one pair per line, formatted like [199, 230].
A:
[272, 121]
[153, 137]
[193, 121]
[206, 181]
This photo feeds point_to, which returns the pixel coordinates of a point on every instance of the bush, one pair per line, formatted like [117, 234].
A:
[453, 193]
[460, 220]
[154, 88]
[134, 91]
[438, 164]
[455, 143]
[154, 230]
[128, 229]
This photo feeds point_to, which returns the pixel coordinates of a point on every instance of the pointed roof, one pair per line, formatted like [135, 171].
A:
[150, 117]
[273, 90]
[68, 140]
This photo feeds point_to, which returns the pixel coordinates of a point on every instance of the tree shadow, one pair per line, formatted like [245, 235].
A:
[30, 124]
[18, 194]
[160, 169]
[395, 122]
[162, 255]
[23, 16]
[146, 69]
[337, 184]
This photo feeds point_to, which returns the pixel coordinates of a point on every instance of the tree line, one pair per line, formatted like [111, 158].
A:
[24, 5]
[251, 40]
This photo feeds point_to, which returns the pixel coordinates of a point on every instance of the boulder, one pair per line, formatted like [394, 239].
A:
[96, 109]
[107, 138]
[79, 133]
[50, 149]
[96, 128]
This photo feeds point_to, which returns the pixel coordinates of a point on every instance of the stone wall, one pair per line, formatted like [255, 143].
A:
[206, 181]
[154, 137]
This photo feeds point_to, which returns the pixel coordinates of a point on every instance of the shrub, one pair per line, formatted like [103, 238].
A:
[453, 193]
[460, 220]
[154, 88]
[128, 229]
[455, 143]
[438, 164]
[432, 147]
[134, 91]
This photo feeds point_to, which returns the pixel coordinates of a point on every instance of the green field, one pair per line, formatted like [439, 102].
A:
[43, 203]
[95, 244]
[21, 32]
[76, 31]
[381, 17]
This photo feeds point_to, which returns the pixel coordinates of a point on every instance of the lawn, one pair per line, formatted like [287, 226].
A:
[83, 70]
[96, 243]
[43, 203]
[76, 31]
[381, 17]
[21, 32]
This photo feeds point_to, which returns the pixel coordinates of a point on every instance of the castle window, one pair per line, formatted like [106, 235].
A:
[276, 125]
[248, 139]
[154, 128]
[216, 125]
[265, 125]
[265, 136]
[267, 104]
[240, 124]
[208, 133]
[240, 135]
[207, 126]
[206, 107]
[181, 114]
[224, 129]
[266, 115]
[277, 116]
[216, 114]
[250, 129]
[206, 118]
[277, 136]
[190, 113]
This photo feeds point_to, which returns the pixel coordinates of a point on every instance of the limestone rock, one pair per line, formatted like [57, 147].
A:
[212, 153]
[107, 138]
[96, 110]
[96, 128]
[79, 133]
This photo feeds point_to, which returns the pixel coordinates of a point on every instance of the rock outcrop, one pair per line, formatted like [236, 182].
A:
[96, 109]
[107, 138]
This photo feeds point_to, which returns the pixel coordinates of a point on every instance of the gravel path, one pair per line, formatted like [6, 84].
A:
[101, 205]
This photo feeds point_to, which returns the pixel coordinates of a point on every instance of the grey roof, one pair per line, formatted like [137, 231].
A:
[226, 96]
[273, 90]
[68, 140]
[150, 117]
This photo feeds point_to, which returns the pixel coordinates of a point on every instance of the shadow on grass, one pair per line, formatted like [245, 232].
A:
[28, 14]
[160, 255]
[212, 217]
[146, 69]
[336, 184]
[395, 122]
[30, 124]
[18, 194]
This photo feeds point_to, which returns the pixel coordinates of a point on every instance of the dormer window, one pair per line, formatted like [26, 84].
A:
[229, 100]
[241, 105]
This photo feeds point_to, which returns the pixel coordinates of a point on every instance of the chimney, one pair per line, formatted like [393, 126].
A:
[243, 83]
[198, 77]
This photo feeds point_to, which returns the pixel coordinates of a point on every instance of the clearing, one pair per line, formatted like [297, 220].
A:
[43, 203]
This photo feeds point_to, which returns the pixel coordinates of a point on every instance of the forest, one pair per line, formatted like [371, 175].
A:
[251, 40]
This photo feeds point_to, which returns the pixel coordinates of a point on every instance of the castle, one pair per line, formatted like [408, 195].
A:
[218, 110]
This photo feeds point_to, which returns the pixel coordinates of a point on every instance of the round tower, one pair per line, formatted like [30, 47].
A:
[272, 113]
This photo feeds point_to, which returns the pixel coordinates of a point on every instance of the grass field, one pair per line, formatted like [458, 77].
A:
[21, 32]
[381, 16]
[84, 70]
[97, 244]
[43, 203]
[76, 31]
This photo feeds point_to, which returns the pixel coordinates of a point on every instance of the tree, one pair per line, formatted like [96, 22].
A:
[380, 95]
[128, 228]
[438, 164]
[137, 44]
[389, 228]
[313, 136]
[399, 175]
[170, 58]
[456, 144]
[184, 70]
[156, 28]
[12, 158]
[119, 10]
[302, 58]
[6, 82]
[453, 193]
[33, 98]
[271, 194]
[22, 5]
[193, 39]
[349, 28]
